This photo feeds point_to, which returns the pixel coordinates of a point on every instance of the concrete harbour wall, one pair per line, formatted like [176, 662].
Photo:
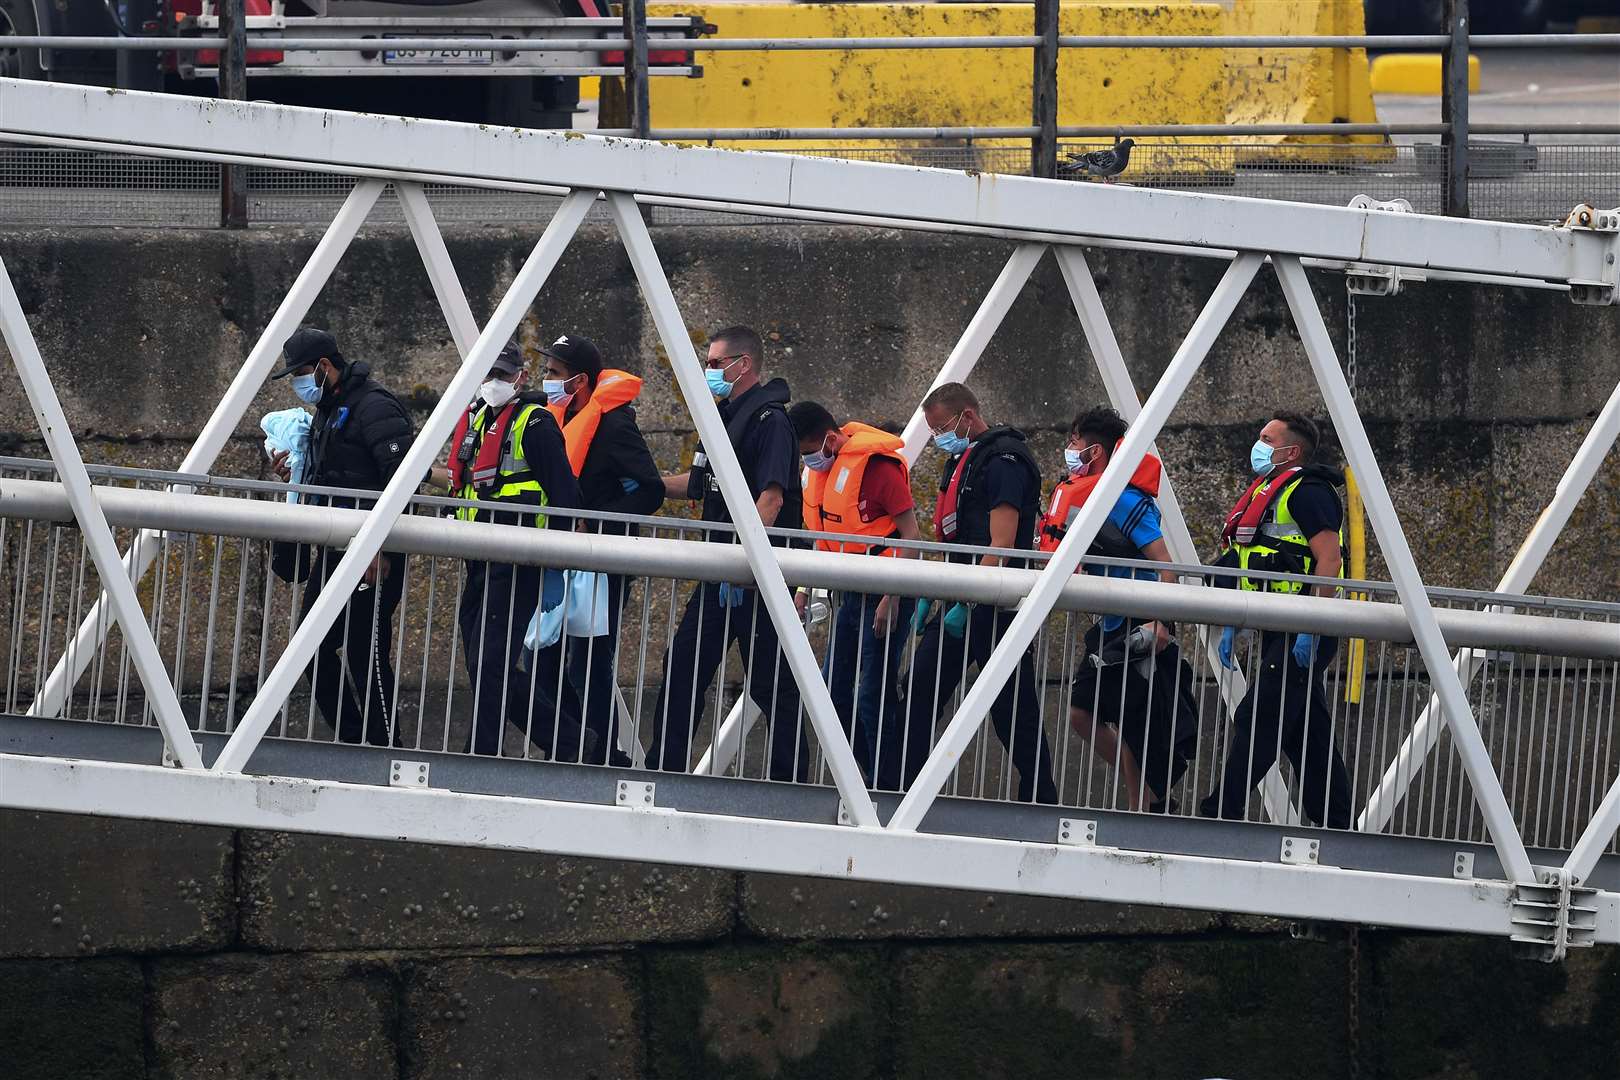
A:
[143, 950]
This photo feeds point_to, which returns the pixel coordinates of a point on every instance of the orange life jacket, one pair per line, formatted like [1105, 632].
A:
[832, 498]
[1070, 495]
[613, 388]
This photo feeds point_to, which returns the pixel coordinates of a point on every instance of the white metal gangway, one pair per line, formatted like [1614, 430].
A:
[1550, 896]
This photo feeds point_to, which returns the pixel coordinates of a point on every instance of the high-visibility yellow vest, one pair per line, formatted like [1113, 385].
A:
[515, 481]
[1279, 547]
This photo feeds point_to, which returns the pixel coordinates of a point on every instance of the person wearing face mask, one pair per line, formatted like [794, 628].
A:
[357, 438]
[1289, 521]
[1132, 698]
[716, 615]
[616, 472]
[857, 483]
[990, 496]
[508, 456]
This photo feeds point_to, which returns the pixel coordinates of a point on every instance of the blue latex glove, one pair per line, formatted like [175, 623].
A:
[732, 595]
[1304, 645]
[1228, 636]
[551, 589]
[956, 620]
[919, 618]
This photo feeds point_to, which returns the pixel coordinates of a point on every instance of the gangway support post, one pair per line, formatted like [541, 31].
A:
[1032, 612]
[245, 386]
[1521, 572]
[368, 541]
[98, 537]
[1122, 395]
[1403, 569]
[769, 584]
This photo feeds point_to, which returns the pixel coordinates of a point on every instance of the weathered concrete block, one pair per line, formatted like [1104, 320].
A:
[312, 892]
[274, 1016]
[768, 1012]
[77, 886]
[1249, 1007]
[71, 1018]
[806, 908]
[531, 1019]
[1459, 1007]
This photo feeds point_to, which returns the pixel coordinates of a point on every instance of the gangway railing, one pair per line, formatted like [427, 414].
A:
[1503, 735]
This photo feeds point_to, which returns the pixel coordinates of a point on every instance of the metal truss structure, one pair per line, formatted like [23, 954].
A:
[242, 780]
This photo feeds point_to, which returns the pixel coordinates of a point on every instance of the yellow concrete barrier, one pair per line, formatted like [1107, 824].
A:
[938, 88]
[991, 88]
[1299, 86]
[1415, 73]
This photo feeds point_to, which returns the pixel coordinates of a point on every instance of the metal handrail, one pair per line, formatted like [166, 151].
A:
[45, 467]
[847, 44]
[1109, 131]
[695, 561]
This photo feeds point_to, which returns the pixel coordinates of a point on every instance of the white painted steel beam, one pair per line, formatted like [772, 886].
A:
[1425, 735]
[1032, 612]
[1403, 569]
[770, 587]
[221, 425]
[441, 271]
[1122, 395]
[98, 537]
[958, 367]
[964, 357]
[448, 151]
[763, 846]
[407, 477]
[1599, 831]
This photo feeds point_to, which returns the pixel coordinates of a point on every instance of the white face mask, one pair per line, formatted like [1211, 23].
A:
[497, 392]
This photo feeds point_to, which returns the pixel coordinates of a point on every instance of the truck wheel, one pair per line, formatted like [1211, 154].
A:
[17, 19]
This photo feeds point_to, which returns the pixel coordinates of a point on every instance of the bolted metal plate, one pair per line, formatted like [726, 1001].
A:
[413, 774]
[1300, 851]
[1463, 865]
[636, 794]
[1077, 832]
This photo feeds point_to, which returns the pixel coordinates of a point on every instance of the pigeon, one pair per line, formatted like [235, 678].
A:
[1106, 164]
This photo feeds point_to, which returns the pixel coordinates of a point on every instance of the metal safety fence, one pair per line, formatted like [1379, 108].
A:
[1105, 713]
[1511, 181]
[1450, 166]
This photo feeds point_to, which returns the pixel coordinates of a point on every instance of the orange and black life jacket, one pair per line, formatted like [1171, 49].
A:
[613, 388]
[1071, 494]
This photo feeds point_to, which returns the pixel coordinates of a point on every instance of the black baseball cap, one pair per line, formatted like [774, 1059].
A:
[510, 360]
[306, 346]
[579, 354]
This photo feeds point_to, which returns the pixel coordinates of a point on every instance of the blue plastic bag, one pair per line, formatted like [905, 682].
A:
[583, 612]
[287, 432]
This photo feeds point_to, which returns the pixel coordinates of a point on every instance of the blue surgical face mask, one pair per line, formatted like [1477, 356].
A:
[819, 461]
[1262, 455]
[555, 392]
[716, 378]
[951, 442]
[307, 389]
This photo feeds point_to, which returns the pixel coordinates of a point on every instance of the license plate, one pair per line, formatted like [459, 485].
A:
[439, 57]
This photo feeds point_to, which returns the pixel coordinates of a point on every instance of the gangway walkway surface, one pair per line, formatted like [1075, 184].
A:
[1483, 743]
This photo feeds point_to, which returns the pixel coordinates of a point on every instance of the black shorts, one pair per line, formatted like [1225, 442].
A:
[1156, 713]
